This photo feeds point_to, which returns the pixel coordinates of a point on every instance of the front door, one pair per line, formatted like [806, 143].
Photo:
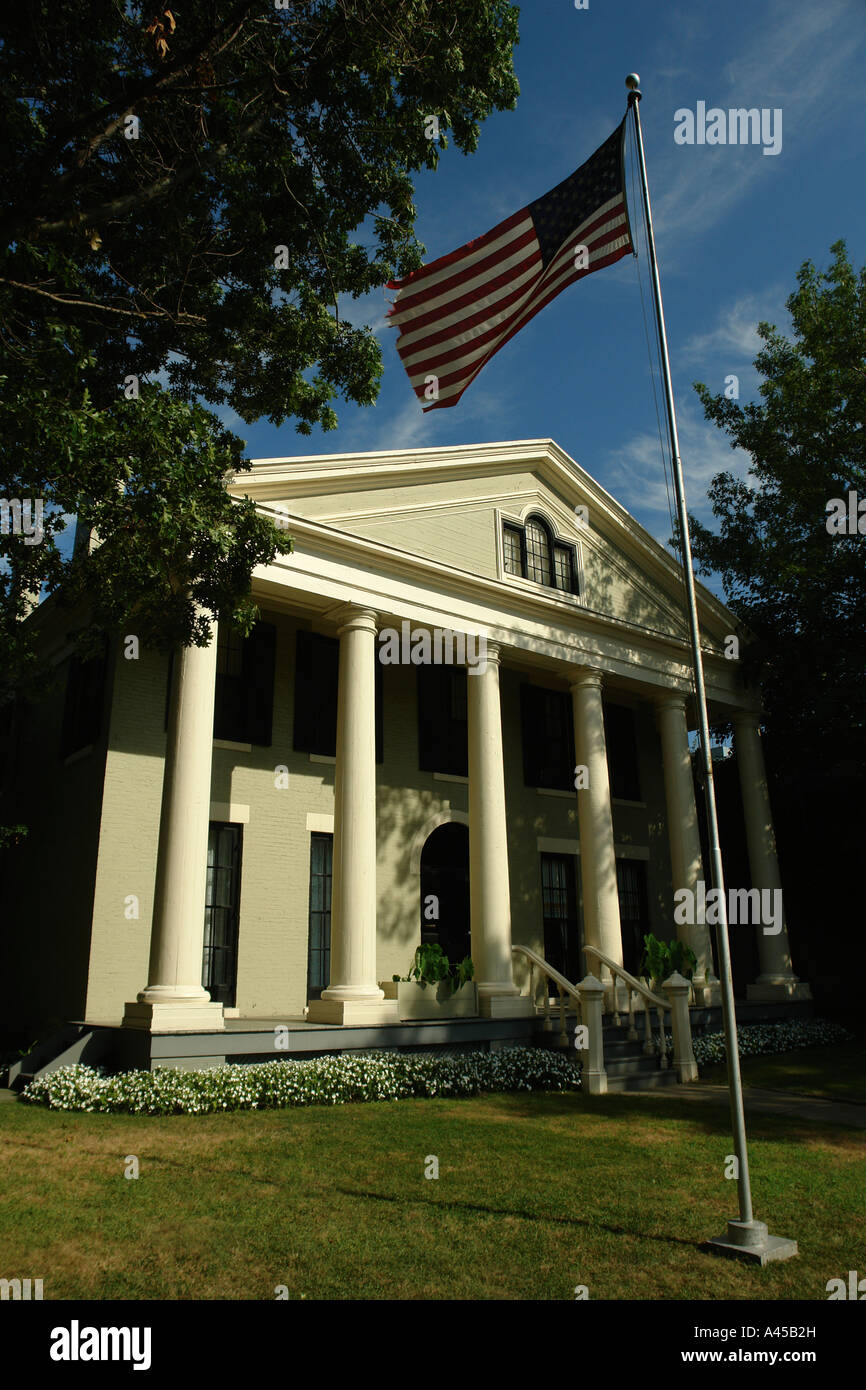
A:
[221, 913]
[445, 890]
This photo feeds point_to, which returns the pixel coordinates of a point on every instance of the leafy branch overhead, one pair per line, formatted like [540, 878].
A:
[256, 127]
[154, 162]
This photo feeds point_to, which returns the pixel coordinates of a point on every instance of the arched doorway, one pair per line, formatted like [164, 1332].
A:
[445, 878]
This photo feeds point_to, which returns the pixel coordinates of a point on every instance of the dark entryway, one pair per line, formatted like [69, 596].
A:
[445, 881]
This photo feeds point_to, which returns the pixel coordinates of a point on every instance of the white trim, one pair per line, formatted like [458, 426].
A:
[547, 844]
[320, 822]
[232, 811]
[235, 747]
[503, 518]
[555, 791]
[451, 777]
[322, 758]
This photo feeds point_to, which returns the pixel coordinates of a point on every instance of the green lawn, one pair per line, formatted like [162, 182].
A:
[836, 1073]
[536, 1194]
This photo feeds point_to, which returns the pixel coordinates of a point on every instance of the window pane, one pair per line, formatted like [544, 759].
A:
[537, 553]
[563, 568]
[321, 860]
[511, 551]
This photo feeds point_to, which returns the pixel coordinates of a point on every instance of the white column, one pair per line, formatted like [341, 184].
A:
[776, 979]
[353, 994]
[174, 999]
[683, 832]
[595, 823]
[489, 890]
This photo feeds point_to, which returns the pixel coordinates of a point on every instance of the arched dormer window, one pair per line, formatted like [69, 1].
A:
[533, 552]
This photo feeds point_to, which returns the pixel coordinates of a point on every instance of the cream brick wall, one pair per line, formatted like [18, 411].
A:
[274, 893]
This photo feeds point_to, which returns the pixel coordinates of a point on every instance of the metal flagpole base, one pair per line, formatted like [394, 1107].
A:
[749, 1240]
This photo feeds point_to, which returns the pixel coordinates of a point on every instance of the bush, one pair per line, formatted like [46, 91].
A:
[765, 1039]
[335, 1080]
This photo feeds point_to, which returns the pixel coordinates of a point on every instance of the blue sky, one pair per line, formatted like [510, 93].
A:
[733, 226]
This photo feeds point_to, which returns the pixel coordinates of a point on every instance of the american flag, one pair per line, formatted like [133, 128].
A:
[455, 313]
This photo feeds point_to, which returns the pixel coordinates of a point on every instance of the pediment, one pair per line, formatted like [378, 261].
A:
[448, 506]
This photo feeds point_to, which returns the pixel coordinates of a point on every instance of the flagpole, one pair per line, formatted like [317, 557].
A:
[746, 1238]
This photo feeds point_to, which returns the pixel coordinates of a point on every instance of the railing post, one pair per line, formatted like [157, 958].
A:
[677, 991]
[563, 1035]
[594, 1077]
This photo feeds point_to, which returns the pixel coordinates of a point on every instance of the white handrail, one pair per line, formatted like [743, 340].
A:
[634, 984]
[563, 985]
[548, 970]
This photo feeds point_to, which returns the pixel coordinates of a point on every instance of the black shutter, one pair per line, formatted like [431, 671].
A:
[259, 662]
[429, 721]
[532, 722]
[316, 678]
[82, 710]
[443, 744]
[619, 735]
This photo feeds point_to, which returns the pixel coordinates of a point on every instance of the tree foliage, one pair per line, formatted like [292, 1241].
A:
[152, 165]
[800, 588]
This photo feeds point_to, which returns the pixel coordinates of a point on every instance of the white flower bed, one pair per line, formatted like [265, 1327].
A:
[764, 1039]
[336, 1080]
[342, 1079]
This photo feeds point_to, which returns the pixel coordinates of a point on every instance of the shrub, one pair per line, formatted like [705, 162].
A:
[334, 1080]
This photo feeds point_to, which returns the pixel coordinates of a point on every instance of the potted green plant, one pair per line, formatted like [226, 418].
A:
[434, 987]
[662, 958]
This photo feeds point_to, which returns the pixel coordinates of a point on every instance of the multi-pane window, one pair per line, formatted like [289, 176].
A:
[537, 553]
[222, 901]
[548, 738]
[563, 568]
[321, 869]
[559, 911]
[533, 552]
[633, 910]
[512, 550]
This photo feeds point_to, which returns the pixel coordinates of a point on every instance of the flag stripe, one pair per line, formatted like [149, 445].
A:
[412, 345]
[457, 312]
[451, 394]
[561, 272]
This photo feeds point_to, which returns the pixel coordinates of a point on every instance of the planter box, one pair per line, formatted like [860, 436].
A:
[415, 1001]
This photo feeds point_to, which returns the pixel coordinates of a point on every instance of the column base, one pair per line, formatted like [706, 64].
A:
[749, 1240]
[189, 1017]
[505, 1005]
[773, 988]
[706, 993]
[360, 1012]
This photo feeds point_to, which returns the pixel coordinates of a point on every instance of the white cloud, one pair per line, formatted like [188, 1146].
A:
[792, 59]
[636, 477]
[734, 335]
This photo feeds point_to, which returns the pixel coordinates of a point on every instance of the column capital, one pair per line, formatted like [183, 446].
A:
[354, 617]
[746, 717]
[671, 699]
[586, 677]
[493, 652]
